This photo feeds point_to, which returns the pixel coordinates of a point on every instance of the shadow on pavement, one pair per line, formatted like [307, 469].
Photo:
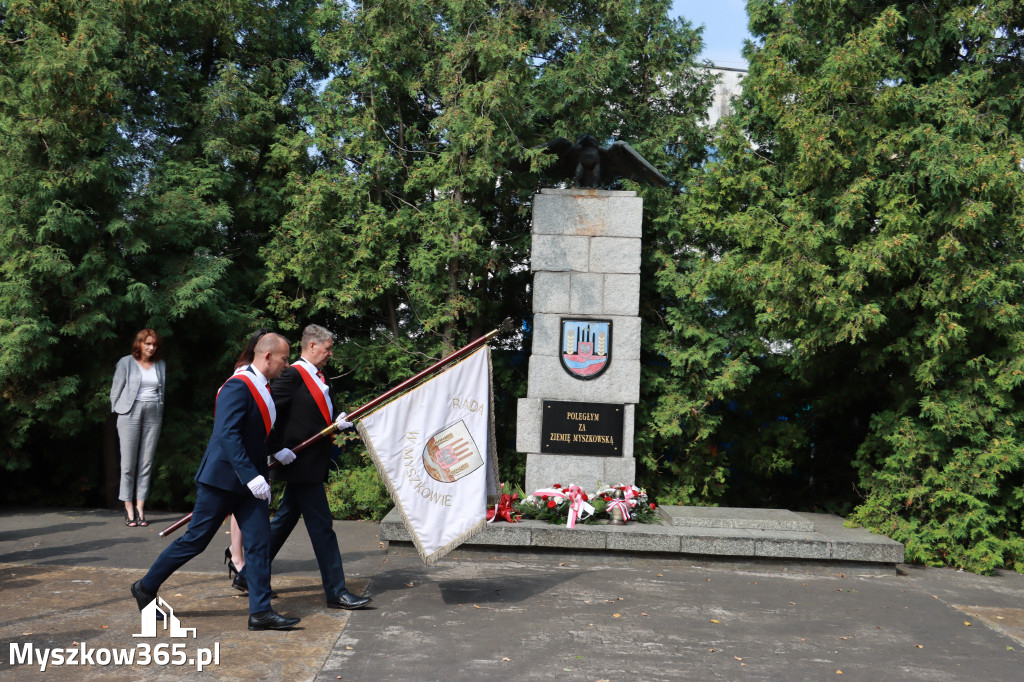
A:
[23, 533]
[74, 550]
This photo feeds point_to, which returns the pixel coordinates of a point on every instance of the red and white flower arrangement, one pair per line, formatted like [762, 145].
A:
[634, 504]
[570, 504]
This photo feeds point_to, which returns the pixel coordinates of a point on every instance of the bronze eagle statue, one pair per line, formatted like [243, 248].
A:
[591, 166]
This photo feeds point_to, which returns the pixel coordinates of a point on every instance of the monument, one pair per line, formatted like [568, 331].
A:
[576, 423]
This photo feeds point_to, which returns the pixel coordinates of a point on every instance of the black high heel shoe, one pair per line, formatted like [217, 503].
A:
[237, 581]
[129, 520]
[240, 583]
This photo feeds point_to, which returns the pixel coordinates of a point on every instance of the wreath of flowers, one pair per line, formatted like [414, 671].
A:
[635, 501]
[556, 507]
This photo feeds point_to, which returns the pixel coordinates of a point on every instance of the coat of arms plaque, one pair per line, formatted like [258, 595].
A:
[586, 350]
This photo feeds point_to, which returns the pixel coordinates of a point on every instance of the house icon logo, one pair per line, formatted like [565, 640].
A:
[158, 608]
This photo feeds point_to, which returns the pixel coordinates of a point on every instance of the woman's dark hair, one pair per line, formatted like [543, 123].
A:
[249, 352]
[140, 339]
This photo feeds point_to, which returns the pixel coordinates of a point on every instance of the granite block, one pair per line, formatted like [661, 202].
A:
[628, 430]
[625, 336]
[574, 538]
[721, 543]
[737, 517]
[857, 543]
[639, 537]
[590, 473]
[502, 533]
[587, 212]
[551, 292]
[547, 333]
[615, 254]
[528, 423]
[542, 471]
[586, 293]
[556, 253]
[800, 546]
[832, 545]
[621, 295]
[393, 528]
[891, 552]
[620, 383]
[620, 470]
[825, 523]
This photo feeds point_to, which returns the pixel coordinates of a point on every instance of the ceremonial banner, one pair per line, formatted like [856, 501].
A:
[435, 449]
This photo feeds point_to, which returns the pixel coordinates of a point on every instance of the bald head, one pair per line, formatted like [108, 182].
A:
[271, 355]
[268, 342]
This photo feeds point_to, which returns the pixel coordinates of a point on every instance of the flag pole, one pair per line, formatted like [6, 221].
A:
[381, 400]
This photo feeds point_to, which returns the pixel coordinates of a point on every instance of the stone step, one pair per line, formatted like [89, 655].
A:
[827, 542]
[737, 517]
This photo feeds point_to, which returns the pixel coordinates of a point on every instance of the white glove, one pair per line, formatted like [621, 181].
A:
[260, 488]
[341, 423]
[284, 456]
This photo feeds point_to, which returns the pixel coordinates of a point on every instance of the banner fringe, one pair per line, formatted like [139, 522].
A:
[492, 464]
[492, 444]
[441, 552]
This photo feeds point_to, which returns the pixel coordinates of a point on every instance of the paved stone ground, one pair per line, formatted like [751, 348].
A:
[64, 577]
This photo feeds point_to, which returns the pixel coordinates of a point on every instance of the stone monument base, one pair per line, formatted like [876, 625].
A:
[759, 539]
[585, 347]
[589, 473]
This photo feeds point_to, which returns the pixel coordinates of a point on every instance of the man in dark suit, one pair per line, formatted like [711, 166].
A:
[305, 406]
[232, 479]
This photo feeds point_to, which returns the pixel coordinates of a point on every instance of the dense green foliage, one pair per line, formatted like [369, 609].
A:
[412, 236]
[141, 166]
[357, 493]
[857, 293]
[207, 167]
[831, 308]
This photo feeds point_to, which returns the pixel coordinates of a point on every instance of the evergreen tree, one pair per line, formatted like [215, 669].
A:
[232, 80]
[161, 158]
[858, 295]
[412, 237]
[63, 171]
[142, 166]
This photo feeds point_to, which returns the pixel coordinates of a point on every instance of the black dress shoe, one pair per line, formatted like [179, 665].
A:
[242, 585]
[143, 598]
[347, 600]
[271, 620]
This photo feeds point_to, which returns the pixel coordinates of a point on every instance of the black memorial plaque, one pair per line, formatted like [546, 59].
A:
[582, 429]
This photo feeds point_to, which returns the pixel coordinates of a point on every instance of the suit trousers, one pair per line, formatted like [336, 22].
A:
[138, 431]
[212, 506]
[310, 501]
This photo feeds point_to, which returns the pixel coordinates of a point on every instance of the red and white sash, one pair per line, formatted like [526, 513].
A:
[260, 393]
[316, 388]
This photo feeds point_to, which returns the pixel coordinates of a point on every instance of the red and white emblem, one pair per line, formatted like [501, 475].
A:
[586, 347]
[451, 454]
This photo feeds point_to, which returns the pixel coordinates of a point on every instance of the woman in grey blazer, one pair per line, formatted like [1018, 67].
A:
[137, 396]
